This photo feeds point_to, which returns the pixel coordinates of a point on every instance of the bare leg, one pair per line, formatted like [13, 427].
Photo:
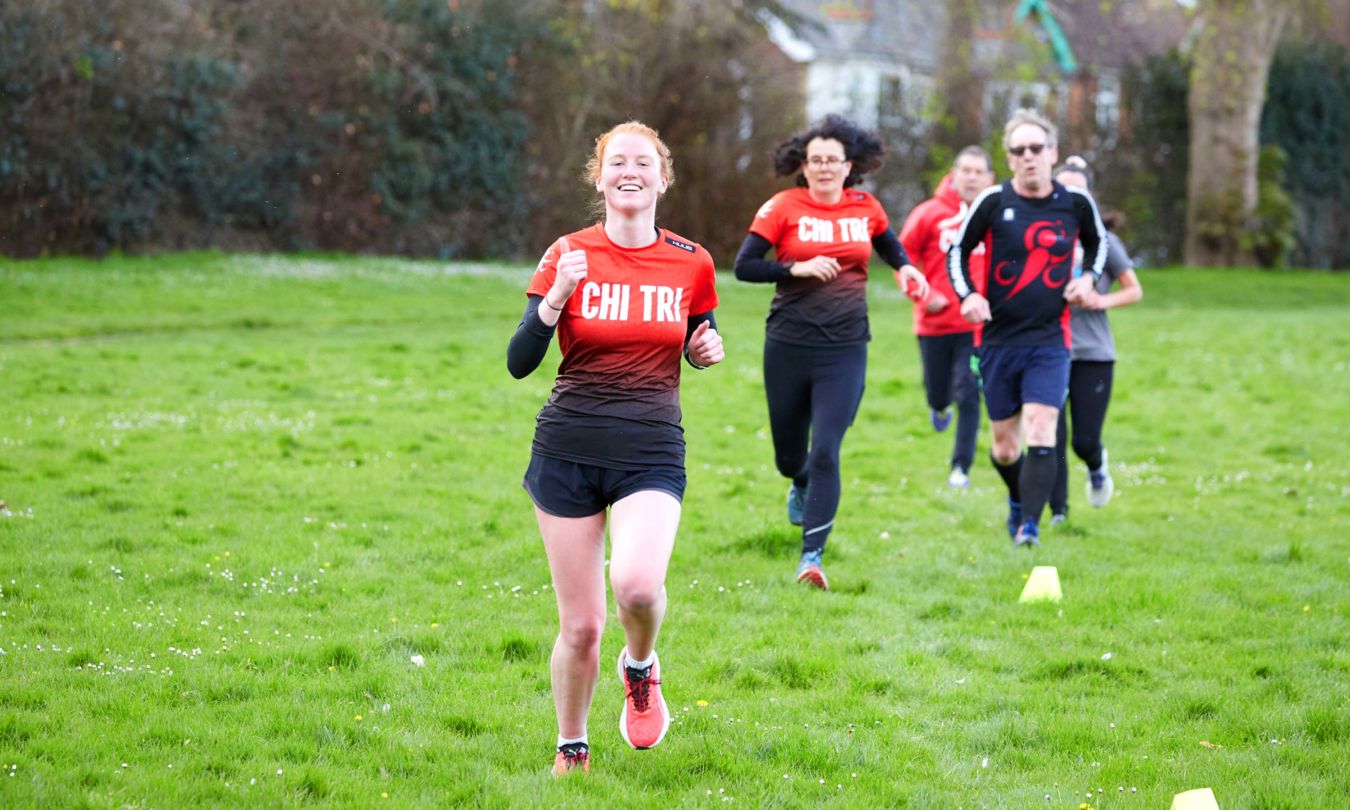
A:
[576, 558]
[642, 536]
[1007, 441]
[1039, 423]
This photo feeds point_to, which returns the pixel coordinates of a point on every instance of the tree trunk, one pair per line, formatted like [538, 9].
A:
[1229, 67]
[960, 89]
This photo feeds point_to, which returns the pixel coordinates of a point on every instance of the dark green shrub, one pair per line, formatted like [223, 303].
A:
[1307, 114]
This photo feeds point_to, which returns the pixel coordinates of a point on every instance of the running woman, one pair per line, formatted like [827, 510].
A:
[946, 340]
[815, 343]
[1093, 362]
[1029, 226]
[626, 298]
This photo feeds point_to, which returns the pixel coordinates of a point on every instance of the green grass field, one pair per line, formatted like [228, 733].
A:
[243, 492]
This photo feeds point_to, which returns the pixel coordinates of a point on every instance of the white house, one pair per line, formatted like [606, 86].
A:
[877, 61]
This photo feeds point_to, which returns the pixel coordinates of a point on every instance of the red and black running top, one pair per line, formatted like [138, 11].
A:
[616, 400]
[1030, 244]
[807, 311]
[928, 234]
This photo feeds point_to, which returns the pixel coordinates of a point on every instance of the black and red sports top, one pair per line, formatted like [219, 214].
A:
[616, 400]
[807, 311]
[1030, 244]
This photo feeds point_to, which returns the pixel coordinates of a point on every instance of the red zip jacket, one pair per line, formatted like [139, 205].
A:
[928, 233]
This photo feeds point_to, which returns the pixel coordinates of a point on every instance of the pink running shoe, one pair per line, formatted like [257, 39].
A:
[573, 757]
[645, 719]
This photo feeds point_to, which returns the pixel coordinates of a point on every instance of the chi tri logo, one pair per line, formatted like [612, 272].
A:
[851, 229]
[611, 302]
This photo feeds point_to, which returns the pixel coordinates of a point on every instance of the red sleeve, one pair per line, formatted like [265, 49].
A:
[768, 221]
[542, 280]
[914, 236]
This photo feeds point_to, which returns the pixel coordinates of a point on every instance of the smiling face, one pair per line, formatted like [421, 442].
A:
[1031, 168]
[826, 168]
[632, 175]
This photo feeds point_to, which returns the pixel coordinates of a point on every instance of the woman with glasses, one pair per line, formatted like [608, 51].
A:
[822, 233]
[626, 298]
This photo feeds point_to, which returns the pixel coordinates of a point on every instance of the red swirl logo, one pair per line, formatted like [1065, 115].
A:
[1048, 248]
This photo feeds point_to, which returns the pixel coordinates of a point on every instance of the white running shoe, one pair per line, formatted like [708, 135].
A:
[1100, 487]
[958, 479]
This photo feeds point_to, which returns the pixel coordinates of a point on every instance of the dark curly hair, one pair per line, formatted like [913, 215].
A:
[861, 147]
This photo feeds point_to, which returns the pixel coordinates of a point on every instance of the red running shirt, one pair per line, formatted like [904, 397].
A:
[806, 311]
[616, 400]
[927, 235]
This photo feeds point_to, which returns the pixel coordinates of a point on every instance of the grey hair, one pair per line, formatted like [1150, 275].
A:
[1030, 116]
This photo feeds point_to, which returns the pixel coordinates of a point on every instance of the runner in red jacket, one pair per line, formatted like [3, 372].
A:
[947, 340]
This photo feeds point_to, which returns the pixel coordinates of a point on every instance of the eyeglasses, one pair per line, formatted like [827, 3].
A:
[1033, 148]
[829, 162]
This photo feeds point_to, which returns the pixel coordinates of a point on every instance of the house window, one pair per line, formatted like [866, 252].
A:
[890, 104]
[1108, 103]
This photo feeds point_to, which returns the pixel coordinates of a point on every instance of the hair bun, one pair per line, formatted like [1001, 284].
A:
[1075, 161]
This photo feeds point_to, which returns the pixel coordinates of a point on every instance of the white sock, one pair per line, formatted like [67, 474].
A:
[630, 663]
[571, 740]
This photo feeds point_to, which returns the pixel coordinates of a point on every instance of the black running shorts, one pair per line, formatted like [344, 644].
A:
[571, 489]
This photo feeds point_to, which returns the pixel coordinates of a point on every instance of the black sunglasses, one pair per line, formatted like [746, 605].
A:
[1034, 148]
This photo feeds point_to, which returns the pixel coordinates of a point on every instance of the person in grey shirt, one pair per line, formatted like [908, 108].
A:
[1093, 362]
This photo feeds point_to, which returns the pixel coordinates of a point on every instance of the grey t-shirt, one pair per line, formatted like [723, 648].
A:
[1091, 330]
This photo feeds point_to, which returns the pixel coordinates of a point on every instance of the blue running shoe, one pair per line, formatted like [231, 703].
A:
[941, 419]
[796, 505]
[1029, 535]
[1014, 517]
[810, 571]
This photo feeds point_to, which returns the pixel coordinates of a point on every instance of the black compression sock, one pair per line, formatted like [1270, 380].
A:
[1038, 478]
[1012, 475]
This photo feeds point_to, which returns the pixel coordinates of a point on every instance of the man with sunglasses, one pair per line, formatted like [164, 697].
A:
[1029, 227]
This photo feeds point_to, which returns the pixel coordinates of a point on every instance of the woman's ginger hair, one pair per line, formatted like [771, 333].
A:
[632, 128]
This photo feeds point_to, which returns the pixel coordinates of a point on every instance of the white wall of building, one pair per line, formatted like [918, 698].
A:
[869, 92]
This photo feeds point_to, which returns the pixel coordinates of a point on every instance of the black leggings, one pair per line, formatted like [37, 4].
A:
[813, 394]
[947, 378]
[1089, 394]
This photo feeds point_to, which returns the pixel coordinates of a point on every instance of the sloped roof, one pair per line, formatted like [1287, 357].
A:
[1116, 34]
[903, 31]
[1102, 33]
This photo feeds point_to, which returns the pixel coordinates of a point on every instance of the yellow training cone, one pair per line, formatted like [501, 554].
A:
[1042, 585]
[1198, 799]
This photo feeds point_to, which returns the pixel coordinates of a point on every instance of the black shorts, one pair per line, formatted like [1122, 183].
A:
[570, 489]
[1012, 376]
